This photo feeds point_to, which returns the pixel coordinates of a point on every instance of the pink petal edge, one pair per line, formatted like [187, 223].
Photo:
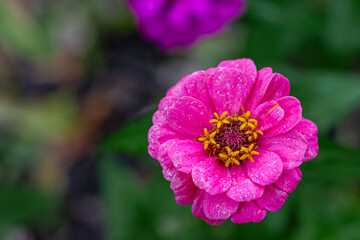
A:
[212, 176]
[189, 116]
[266, 168]
[248, 212]
[242, 188]
[309, 130]
[219, 206]
[272, 199]
[185, 154]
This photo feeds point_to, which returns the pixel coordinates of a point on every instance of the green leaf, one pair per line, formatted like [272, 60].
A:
[342, 30]
[24, 204]
[326, 97]
[22, 33]
[131, 138]
[335, 164]
[120, 199]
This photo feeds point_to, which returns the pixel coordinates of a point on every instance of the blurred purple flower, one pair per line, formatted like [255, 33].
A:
[173, 23]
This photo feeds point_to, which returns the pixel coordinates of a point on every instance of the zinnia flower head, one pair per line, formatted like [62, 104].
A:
[230, 140]
[173, 23]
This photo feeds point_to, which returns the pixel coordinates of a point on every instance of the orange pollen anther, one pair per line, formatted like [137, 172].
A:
[232, 139]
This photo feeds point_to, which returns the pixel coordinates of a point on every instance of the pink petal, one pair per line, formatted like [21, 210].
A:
[178, 16]
[189, 116]
[292, 116]
[219, 206]
[248, 212]
[176, 91]
[184, 189]
[228, 88]
[242, 188]
[289, 180]
[185, 154]
[164, 105]
[195, 86]
[162, 132]
[197, 209]
[268, 115]
[164, 160]
[266, 168]
[212, 176]
[159, 134]
[279, 87]
[153, 150]
[200, 9]
[264, 77]
[290, 147]
[147, 10]
[245, 65]
[272, 199]
[158, 117]
[309, 130]
[230, 9]
[213, 222]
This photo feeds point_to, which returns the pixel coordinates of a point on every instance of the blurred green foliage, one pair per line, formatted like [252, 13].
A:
[315, 43]
[21, 33]
[23, 204]
[134, 132]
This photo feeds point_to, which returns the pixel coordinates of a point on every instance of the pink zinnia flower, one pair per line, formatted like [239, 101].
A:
[230, 139]
[172, 23]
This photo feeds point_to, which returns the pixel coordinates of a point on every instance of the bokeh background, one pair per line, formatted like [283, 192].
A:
[78, 87]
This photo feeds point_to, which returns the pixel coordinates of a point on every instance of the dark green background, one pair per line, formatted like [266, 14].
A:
[314, 43]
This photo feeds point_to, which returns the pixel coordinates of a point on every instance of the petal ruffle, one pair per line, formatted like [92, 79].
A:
[289, 180]
[164, 105]
[219, 206]
[176, 91]
[245, 65]
[292, 116]
[266, 168]
[198, 211]
[184, 189]
[195, 86]
[248, 212]
[162, 132]
[228, 88]
[242, 188]
[165, 161]
[159, 134]
[278, 87]
[212, 176]
[185, 154]
[268, 115]
[153, 150]
[290, 147]
[272, 199]
[309, 130]
[189, 116]
[264, 77]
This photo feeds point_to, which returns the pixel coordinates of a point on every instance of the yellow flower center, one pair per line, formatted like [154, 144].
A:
[232, 139]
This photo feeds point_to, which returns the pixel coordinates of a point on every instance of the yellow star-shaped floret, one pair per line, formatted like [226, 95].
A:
[254, 134]
[247, 121]
[220, 119]
[208, 138]
[229, 157]
[248, 152]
